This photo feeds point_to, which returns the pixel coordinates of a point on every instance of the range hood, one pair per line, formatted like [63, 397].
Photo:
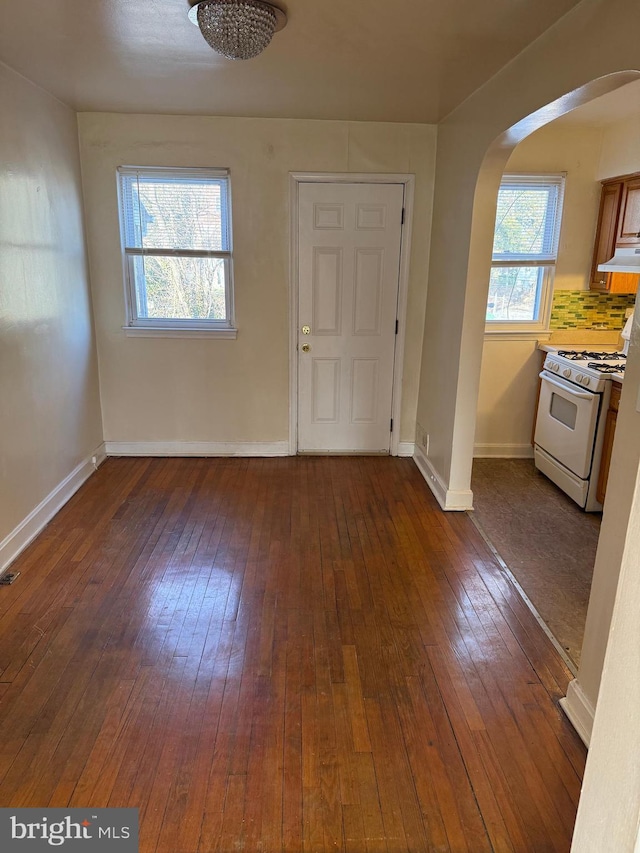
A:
[624, 260]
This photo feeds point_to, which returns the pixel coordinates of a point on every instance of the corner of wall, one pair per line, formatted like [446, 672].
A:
[22, 536]
[449, 500]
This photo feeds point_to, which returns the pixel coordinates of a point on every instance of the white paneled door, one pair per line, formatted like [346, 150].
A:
[349, 258]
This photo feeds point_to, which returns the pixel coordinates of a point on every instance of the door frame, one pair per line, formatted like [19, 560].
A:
[295, 179]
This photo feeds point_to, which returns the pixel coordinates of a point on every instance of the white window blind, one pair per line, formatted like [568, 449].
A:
[525, 250]
[527, 222]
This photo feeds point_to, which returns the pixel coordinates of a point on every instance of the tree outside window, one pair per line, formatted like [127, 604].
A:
[177, 245]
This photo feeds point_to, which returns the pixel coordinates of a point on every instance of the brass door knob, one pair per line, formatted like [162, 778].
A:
[305, 347]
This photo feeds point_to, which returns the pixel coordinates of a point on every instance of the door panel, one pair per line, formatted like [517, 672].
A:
[368, 291]
[629, 227]
[349, 239]
[326, 313]
[325, 390]
[364, 390]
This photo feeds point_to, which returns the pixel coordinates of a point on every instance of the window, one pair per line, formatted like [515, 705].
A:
[176, 236]
[525, 247]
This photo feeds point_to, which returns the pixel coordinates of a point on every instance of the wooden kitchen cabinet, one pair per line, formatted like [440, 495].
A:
[609, 435]
[629, 220]
[619, 213]
[606, 233]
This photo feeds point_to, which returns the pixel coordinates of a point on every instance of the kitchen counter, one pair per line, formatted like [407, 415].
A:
[547, 346]
[586, 338]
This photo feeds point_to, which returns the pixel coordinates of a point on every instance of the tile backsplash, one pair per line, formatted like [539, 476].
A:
[586, 309]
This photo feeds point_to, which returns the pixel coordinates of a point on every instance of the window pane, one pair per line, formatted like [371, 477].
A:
[175, 213]
[525, 220]
[180, 288]
[514, 294]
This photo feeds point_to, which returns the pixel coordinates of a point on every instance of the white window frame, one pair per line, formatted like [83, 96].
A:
[178, 327]
[547, 262]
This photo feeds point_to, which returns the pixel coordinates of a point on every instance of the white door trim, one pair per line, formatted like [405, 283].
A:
[295, 179]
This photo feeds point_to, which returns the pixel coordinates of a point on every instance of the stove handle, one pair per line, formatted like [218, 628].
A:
[581, 394]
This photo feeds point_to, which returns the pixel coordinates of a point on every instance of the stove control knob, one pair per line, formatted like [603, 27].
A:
[555, 367]
[566, 373]
[586, 380]
[579, 378]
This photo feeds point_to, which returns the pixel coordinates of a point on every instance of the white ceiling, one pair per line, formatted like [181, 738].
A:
[368, 60]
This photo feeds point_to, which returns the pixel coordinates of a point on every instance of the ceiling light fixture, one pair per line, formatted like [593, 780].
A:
[238, 29]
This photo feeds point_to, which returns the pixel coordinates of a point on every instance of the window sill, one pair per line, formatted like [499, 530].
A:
[516, 334]
[166, 332]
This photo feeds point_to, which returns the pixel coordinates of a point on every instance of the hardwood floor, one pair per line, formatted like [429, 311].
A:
[298, 654]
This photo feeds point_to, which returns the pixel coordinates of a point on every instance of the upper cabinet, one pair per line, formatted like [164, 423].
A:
[618, 225]
[629, 227]
[606, 233]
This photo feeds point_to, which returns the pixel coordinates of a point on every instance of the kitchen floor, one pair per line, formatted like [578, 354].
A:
[548, 543]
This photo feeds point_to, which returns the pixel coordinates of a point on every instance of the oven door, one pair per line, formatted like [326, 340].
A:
[566, 423]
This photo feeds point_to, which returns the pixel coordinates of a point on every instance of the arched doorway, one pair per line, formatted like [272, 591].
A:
[469, 169]
[543, 536]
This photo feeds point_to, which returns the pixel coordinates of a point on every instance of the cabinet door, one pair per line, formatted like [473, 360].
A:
[606, 233]
[629, 220]
[623, 282]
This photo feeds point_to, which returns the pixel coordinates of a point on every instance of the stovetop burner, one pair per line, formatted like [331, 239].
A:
[584, 355]
[606, 368]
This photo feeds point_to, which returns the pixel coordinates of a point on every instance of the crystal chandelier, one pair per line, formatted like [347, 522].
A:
[238, 29]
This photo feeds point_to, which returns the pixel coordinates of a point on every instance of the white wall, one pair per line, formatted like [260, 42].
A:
[168, 390]
[507, 398]
[620, 149]
[509, 378]
[50, 414]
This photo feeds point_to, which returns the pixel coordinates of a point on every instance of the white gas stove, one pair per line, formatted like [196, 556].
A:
[587, 368]
[574, 398]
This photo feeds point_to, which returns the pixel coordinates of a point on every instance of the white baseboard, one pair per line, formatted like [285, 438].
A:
[503, 451]
[406, 448]
[579, 710]
[197, 448]
[454, 501]
[13, 544]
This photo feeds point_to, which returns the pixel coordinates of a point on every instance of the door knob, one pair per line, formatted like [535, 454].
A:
[305, 347]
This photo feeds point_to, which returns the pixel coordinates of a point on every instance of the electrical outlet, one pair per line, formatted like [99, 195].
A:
[422, 438]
